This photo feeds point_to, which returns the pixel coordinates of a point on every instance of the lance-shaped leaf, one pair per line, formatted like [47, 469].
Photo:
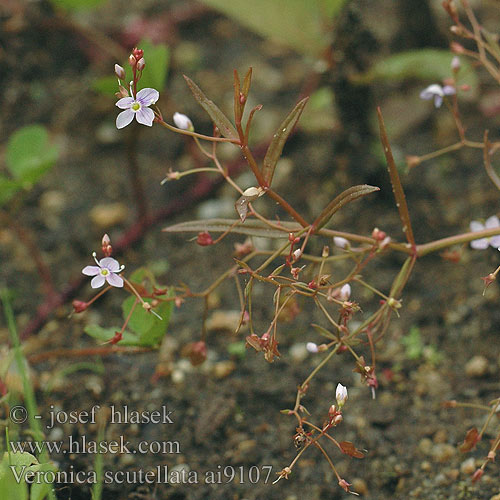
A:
[341, 200]
[276, 147]
[251, 228]
[397, 187]
[218, 117]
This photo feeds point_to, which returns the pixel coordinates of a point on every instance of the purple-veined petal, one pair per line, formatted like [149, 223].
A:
[110, 263]
[147, 96]
[97, 281]
[124, 118]
[495, 241]
[145, 116]
[481, 244]
[438, 100]
[114, 280]
[449, 90]
[91, 270]
[492, 222]
[476, 226]
[125, 102]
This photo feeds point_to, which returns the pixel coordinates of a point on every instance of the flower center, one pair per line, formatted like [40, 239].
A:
[136, 106]
[104, 272]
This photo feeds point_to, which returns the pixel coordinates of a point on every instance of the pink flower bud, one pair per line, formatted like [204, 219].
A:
[79, 306]
[141, 63]
[119, 72]
[455, 64]
[204, 239]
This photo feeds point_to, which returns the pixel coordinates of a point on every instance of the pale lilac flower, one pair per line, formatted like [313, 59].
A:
[183, 122]
[312, 347]
[345, 292]
[340, 242]
[483, 243]
[107, 269]
[137, 107]
[437, 93]
[341, 395]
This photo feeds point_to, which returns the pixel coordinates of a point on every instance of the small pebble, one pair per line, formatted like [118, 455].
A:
[442, 452]
[298, 352]
[476, 367]
[109, 215]
[359, 486]
[223, 368]
[468, 466]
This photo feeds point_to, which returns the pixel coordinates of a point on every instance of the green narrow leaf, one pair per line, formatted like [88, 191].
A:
[250, 228]
[276, 147]
[218, 117]
[341, 200]
[397, 187]
[30, 154]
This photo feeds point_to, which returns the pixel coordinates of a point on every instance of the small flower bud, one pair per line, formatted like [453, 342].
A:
[312, 347]
[341, 395]
[132, 60]
[183, 122]
[79, 306]
[137, 53]
[477, 475]
[204, 239]
[107, 249]
[297, 254]
[141, 63]
[344, 485]
[378, 235]
[340, 242]
[326, 252]
[455, 64]
[119, 72]
[345, 292]
[337, 419]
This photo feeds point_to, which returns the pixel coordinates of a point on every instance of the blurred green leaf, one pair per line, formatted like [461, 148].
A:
[413, 343]
[432, 65]
[154, 74]
[279, 138]
[77, 4]
[299, 24]
[8, 188]
[30, 154]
